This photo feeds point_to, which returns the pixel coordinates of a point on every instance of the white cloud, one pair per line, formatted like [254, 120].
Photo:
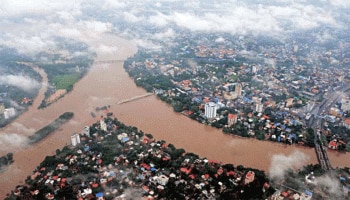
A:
[159, 20]
[130, 17]
[96, 26]
[280, 164]
[20, 128]
[147, 44]
[22, 82]
[28, 44]
[112, 4]
[220, 40]
[169, 33]
[329, 184]
[11, 140]
[43, 20]
[340, 3]
[37, 7]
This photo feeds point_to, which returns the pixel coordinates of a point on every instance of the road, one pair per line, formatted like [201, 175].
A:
[316, 124]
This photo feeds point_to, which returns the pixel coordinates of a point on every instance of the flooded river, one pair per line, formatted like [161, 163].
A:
[108, 84]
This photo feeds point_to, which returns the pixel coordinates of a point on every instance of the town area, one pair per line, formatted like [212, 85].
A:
[262, 89]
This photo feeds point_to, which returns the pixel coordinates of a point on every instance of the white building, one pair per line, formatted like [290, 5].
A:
[103, 125]
[259, 107]
[75, 139]
[86, 131]
[2, 108]
[254, 69]
[210, 110]
[345, 104]
[9, 112]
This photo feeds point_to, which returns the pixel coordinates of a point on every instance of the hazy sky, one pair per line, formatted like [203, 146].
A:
[31, 25]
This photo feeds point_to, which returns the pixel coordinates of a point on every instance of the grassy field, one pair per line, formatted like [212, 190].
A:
[65, 81]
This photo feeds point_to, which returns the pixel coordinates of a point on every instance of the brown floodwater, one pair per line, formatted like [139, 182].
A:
[108, 84]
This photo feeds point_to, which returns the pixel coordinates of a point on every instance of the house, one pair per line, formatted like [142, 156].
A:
[333, 144]
[231, 119]
[249, 177]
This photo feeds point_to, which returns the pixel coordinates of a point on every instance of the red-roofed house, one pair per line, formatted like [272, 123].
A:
[146, 166]
[230, 173]
[231, 119]
[192, 176]
[249, 177]
[333, 144]
[220, 171]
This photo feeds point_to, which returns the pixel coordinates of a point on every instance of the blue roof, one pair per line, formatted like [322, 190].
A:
[153, 169]
[87, 148]
[247, 100]
[196, 99]
[309, 193]
[290, 136]
[100, 194]
[111, 173]
[125, 139]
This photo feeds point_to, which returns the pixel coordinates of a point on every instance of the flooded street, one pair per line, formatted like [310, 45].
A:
[107, 84]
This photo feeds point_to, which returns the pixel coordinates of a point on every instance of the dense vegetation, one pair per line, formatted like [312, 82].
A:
[6, 160]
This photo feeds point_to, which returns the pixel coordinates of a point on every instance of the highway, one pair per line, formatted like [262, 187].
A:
[316, 124]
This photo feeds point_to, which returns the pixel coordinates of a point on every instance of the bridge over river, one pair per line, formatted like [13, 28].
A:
[134, 98]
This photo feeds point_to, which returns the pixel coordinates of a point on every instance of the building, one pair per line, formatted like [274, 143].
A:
[345, 105]
[259, 107]
[289, 102]
[254, 69]
[9, 112]
[210, 110]
[334, 111]
[347, 123]
[231, 119]
[75, 139]
[103, 125]
[2, 108]
[86, 131]
[238, 89]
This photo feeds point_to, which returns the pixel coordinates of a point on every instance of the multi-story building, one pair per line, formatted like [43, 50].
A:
[75, 139]
[210, 110]
[345, 104]
[259, 107]
[86, 131]
[9, 112]
[238, 89]
[2, 108]
[103, 125]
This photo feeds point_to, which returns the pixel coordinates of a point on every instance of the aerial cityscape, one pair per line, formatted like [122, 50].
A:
[175, 100]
